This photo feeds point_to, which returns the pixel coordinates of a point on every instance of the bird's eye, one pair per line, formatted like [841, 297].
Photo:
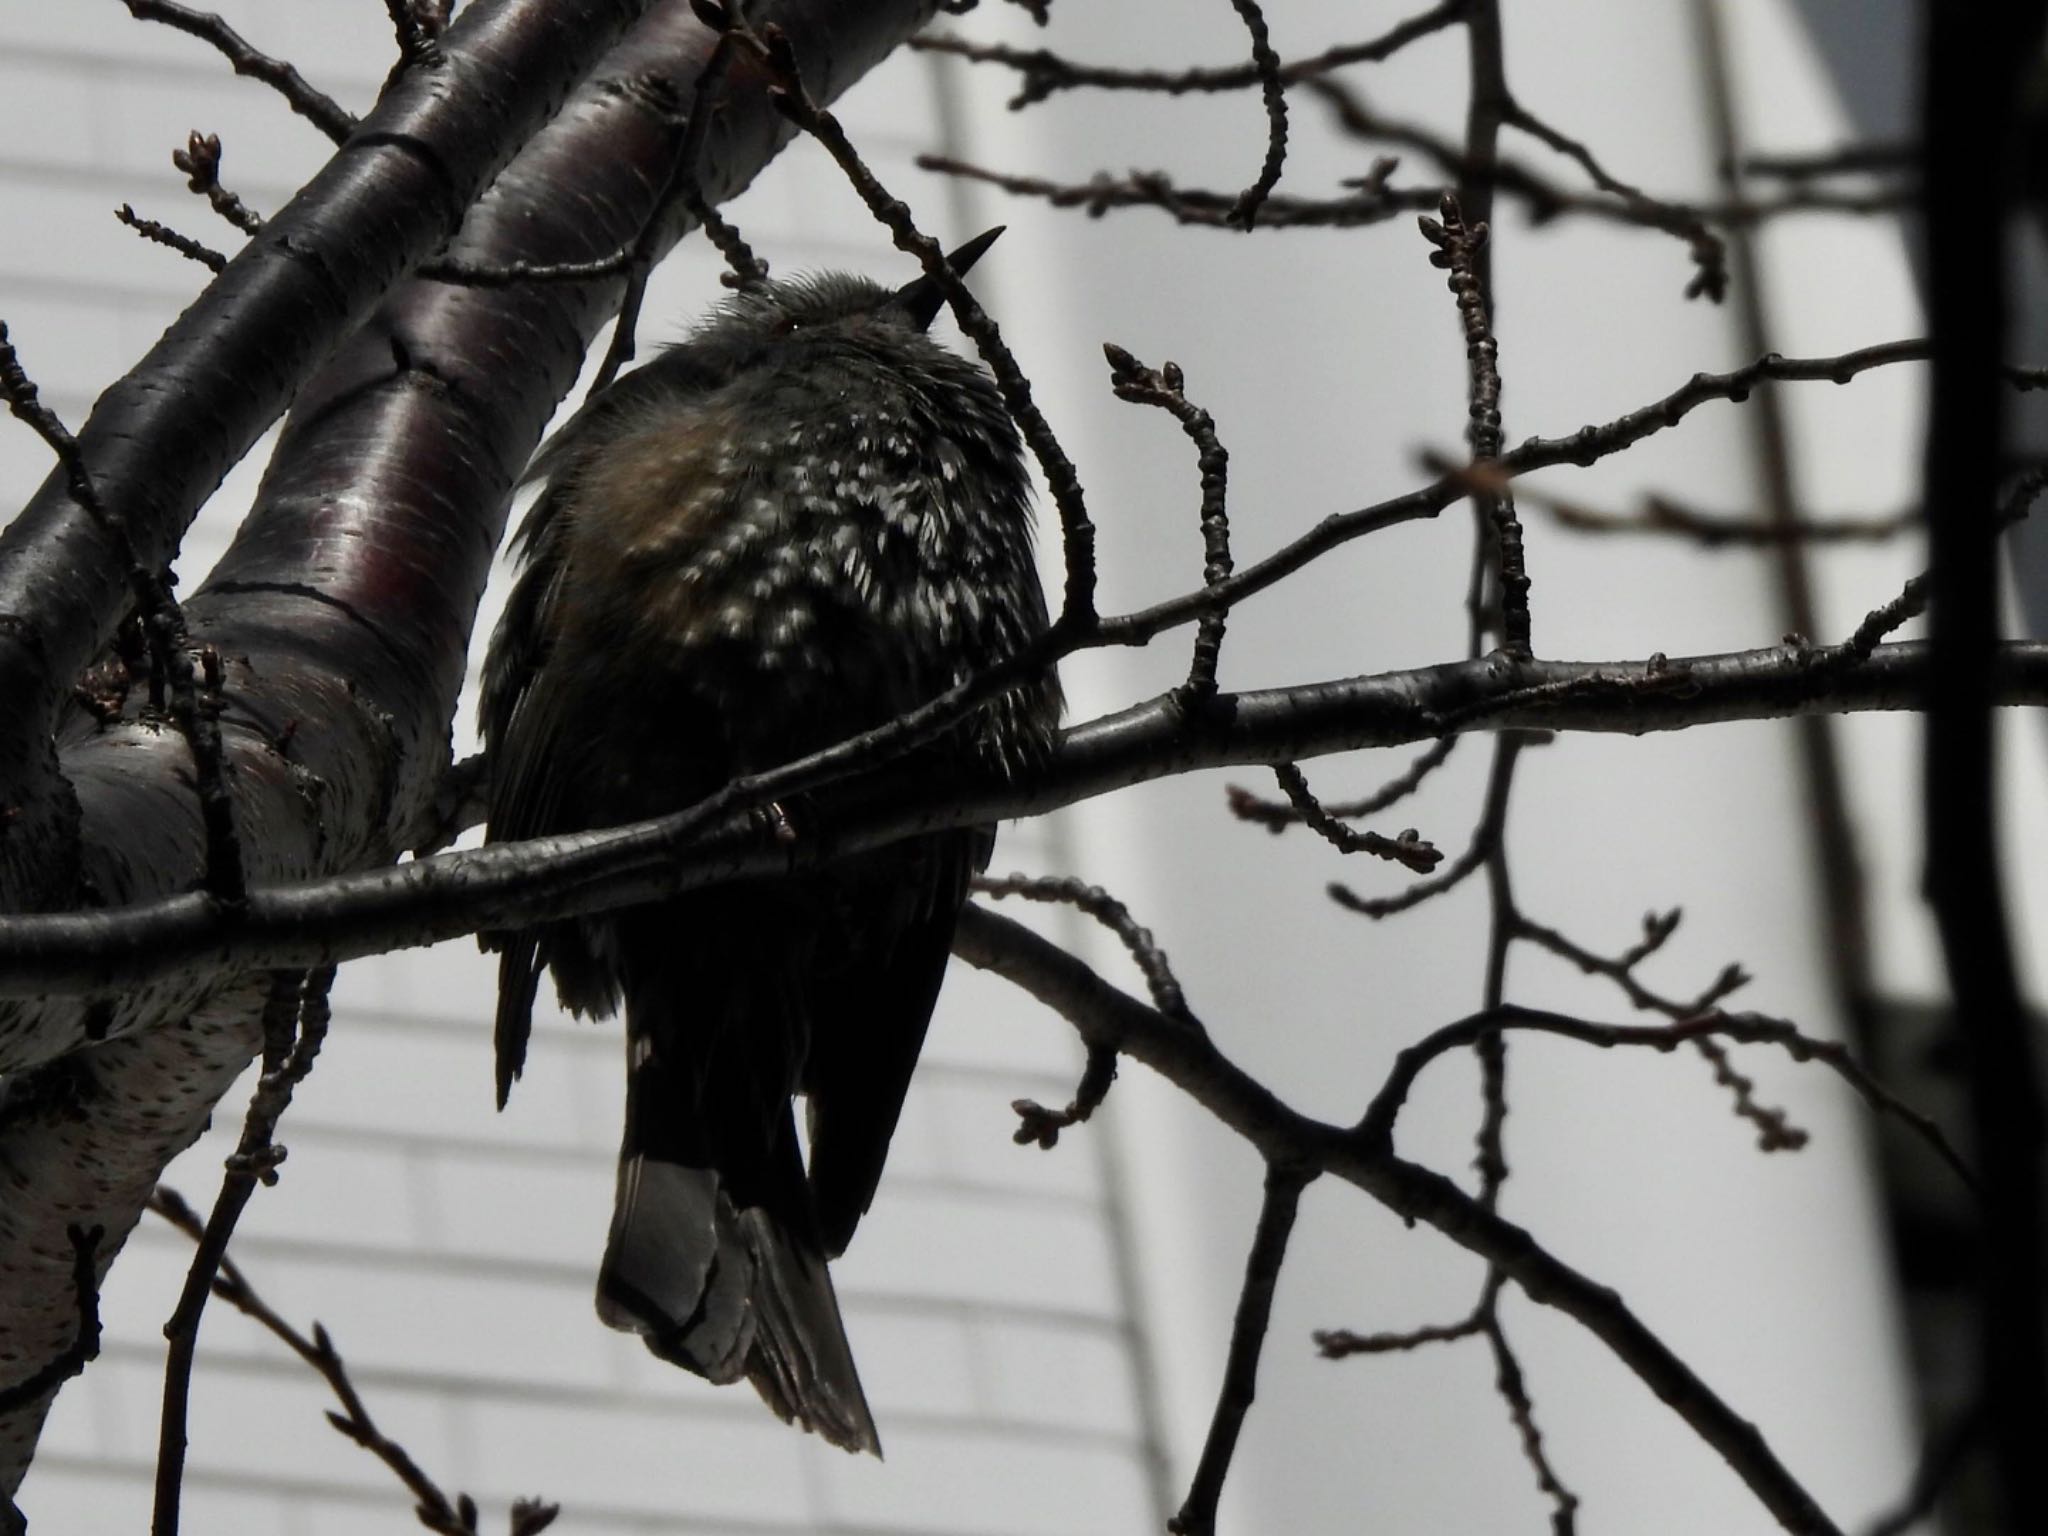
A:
[787, 324]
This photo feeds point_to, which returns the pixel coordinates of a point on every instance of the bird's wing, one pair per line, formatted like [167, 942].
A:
[519, 728]
[868, 1023]
[523, 703]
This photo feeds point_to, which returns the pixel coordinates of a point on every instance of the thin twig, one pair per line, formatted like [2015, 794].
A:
[200, 161]
[1491, 1046]
[1097, 903]
[1449, 878]
[1911, 601]
[685, 187]
[1708, 253]
[1848, 159]
[1371, 200]
[1485, 841]
[196, 703]
[1667, 517]
[1166, 388]
[1376, 1127]
[1277, 815]
[1044, 73]
[1338, 1343]
[1245, 212]
[1039, 1126]
[321, 110]
[1197, 1515]
[294, 1025]
[1410, 849]
[1514, 1391]
[436, 1511]
[163, 234]
[1458, 251]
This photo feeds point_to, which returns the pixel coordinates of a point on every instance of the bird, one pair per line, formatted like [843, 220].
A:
[803, 520]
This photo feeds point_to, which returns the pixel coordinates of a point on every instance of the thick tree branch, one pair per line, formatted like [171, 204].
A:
[514, 884]
[343, 607]
[159, 441]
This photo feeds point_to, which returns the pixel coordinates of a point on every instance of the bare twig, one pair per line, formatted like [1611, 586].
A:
[1458, 251]
[1043, 73]
[1410, 849]
[1037, 1124]
[1584, 447]
[1284, 1184]
[1097, 903]
[1848, 159]
[163, 234]
[1339, 1343]
[684, 187]
[1377, 1125]
[321, 110]
[1667, 517]
[1708, 254]
[436, 1511]
[1514, 1391]
[1040, 1127]
[634, 259]
[1482, 848]
[1277, 816]
[200, 161]
[1371, 201]
[1132, 380]
[294, 1025]
[1245, 212]
[195, 696]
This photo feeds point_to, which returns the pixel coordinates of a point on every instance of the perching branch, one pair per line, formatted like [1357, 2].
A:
[508, 885]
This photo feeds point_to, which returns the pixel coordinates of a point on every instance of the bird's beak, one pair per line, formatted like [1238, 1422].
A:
[922, 300]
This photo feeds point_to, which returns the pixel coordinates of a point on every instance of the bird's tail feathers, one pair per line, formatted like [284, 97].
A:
[725, 1292]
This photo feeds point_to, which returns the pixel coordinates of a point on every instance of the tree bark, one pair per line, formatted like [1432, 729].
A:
[343, 610]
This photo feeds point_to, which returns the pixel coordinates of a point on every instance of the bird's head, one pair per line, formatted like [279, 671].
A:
[825, 304]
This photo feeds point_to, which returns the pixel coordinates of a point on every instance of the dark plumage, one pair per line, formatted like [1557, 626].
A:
[801, 522]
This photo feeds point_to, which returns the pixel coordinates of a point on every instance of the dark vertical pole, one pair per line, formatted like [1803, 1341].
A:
[1976, 57]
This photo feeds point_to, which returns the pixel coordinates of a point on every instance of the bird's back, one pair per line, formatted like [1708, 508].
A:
[728, 568]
